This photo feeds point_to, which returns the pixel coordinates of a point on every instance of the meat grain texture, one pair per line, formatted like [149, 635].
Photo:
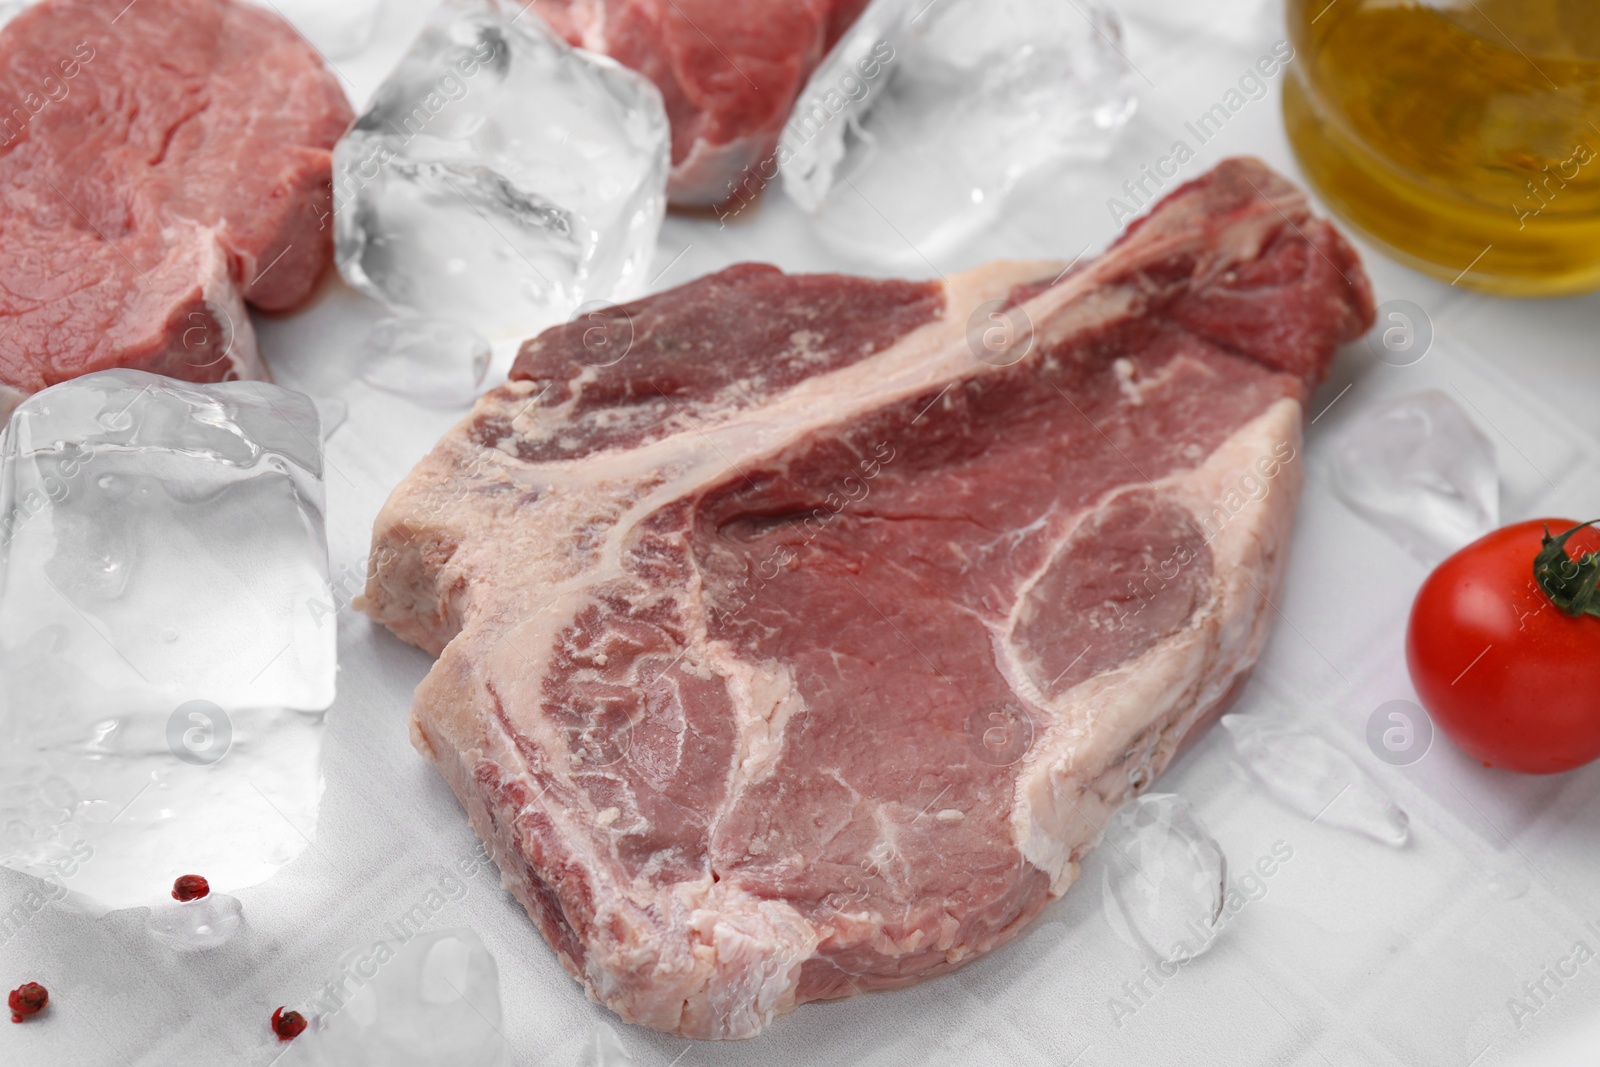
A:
[163, 164]
[728, 70]
[802, 651]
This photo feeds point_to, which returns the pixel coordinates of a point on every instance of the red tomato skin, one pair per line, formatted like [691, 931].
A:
[1508, 677]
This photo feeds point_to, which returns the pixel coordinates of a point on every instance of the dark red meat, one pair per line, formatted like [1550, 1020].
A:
[162, 163]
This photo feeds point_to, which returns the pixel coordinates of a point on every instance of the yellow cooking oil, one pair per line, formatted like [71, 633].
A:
[1462, 136]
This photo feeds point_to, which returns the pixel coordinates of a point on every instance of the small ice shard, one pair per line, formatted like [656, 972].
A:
[1509, 883]
[337, 29]
[169, 537]
[1316, 779]
[1420, 470]
[195, 925]
[605, 1049]
[1164, 878]
[437, 362]
[433, 999]
[924, 117]
[453, 199]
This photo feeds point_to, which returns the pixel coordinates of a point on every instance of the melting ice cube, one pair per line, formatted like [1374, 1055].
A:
[1164, 877]
[924, 116]
[162, 554]
[500, 176]
[1420, 470]
[432, 1000]
[169, 538]
[438, 362]
[1316, 779]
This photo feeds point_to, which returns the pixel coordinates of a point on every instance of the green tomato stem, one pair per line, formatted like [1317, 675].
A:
[1573, 585]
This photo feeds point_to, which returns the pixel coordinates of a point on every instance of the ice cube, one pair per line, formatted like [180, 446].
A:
[922, 119]
[336, 28]
[162, 567]
[433, 999]
[500, 176]
[437, 362]
[196, 925]
[1316, 779]
[1418, 469]
[166, 541]
[108, 813]
[1164, 878]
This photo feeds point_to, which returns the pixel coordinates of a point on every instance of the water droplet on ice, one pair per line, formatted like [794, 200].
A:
[1164, 877]
[115, 421]
[1508, 884]
[195, 925]
[1420, 470]
[97, 812]
[1316, 779]
[437, 362]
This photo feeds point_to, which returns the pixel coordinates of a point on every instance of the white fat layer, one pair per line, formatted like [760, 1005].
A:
[1064, 792]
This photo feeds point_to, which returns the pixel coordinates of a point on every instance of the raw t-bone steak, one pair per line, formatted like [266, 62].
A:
[800, 651]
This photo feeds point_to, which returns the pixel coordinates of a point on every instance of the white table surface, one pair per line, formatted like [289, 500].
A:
[1357, 953]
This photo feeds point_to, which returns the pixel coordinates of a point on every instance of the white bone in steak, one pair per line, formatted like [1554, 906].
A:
[801, 652]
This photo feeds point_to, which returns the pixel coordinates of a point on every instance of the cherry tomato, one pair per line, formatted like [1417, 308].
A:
[1499, 662]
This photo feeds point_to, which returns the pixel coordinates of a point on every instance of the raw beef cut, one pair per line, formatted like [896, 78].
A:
[728, 70]
[805, 648]
[162, 163]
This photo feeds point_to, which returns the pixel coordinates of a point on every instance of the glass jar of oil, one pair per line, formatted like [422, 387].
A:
[1463, 136]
